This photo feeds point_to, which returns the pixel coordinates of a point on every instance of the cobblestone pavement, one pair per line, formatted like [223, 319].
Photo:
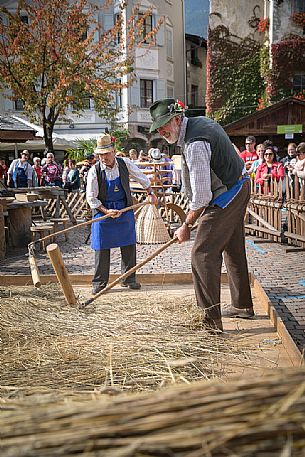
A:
[281, 273]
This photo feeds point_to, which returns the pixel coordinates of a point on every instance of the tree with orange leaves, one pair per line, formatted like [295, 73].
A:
[62, 55]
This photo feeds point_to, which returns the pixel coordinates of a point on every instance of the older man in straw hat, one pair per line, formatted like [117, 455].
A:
[214, 180]
[108, 192]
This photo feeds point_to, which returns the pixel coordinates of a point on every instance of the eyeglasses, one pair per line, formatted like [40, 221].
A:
[268, 154]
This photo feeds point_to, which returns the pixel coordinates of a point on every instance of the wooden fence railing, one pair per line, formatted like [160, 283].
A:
[276, 212]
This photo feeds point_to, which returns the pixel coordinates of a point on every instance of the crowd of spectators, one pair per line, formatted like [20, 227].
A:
[41, 172]
[262, 163]
[72, 176]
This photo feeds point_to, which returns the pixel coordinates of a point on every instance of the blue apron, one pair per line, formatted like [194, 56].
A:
[114, 233]
[19, 176]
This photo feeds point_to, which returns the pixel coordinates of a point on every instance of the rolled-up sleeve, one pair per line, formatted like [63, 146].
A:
[92, 189]
[198, 158]
[137, 174]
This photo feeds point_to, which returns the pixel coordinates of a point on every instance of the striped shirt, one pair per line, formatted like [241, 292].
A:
[197, 157]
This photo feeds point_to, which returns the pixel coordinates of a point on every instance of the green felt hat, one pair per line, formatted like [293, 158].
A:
[162, 111]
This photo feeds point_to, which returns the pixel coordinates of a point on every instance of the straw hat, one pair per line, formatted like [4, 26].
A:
[104, 144]
[150, 227]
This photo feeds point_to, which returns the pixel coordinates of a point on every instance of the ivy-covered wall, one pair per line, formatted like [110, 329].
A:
[288, 57]
[235, 83]
[245, 74]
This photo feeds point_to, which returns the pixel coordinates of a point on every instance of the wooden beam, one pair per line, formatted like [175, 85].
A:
[85, 280]
[262, 229]
[263, 222]
[293, 352]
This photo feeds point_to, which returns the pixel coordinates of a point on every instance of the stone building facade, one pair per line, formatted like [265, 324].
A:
[159, 72]
[196, 49]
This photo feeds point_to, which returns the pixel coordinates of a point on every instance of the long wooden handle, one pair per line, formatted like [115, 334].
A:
[92, 221]
[132, 270]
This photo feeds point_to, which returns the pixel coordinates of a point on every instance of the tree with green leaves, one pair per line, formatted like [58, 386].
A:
[61, 56]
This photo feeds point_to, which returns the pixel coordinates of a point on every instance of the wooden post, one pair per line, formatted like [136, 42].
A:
[2, 234]
[61, 273]
[34, 271]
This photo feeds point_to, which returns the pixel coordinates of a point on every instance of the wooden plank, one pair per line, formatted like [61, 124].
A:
[263, 222]
[85, 280]
[262, 229]
[287, 341]
[295, 236]
[27, 197]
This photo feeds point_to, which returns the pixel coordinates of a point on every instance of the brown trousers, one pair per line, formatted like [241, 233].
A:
[221, 231]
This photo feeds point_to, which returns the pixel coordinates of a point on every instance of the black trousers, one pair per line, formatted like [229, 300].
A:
[102, 264]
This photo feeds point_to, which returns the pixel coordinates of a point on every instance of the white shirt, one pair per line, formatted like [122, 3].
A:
[92, 189]
[28, 170]
[198, 158]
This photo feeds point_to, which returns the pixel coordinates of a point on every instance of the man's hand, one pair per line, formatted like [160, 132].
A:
[183, 233]
[114, 213]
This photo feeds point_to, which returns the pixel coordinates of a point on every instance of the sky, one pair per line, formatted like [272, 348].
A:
[196, 17]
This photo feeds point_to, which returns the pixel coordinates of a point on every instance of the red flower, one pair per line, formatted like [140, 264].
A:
[263, 25]
[298, 19]
[179, 102]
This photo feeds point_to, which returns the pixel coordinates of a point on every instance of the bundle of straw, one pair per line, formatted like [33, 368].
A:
[240, 418]
[150, 227]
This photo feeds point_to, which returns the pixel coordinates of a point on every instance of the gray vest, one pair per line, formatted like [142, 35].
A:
[226, 165]
[101, 179]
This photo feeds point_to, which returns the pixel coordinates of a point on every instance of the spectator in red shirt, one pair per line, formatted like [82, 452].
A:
[269, 170]
[52, 171]
[38, 177]
[249, 154]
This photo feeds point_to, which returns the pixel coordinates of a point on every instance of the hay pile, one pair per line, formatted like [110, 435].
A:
[125, 342]
[240, 418]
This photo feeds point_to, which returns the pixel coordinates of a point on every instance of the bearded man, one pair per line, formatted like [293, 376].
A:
[216, 183]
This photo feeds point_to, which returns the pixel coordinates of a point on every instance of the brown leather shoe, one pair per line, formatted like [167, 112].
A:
[242, 313]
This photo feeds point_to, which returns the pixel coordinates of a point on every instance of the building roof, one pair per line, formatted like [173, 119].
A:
[289, 111]
[196, 39]
[13, 130]
[11, 123]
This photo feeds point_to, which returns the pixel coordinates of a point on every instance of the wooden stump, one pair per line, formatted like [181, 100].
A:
[20, 221]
